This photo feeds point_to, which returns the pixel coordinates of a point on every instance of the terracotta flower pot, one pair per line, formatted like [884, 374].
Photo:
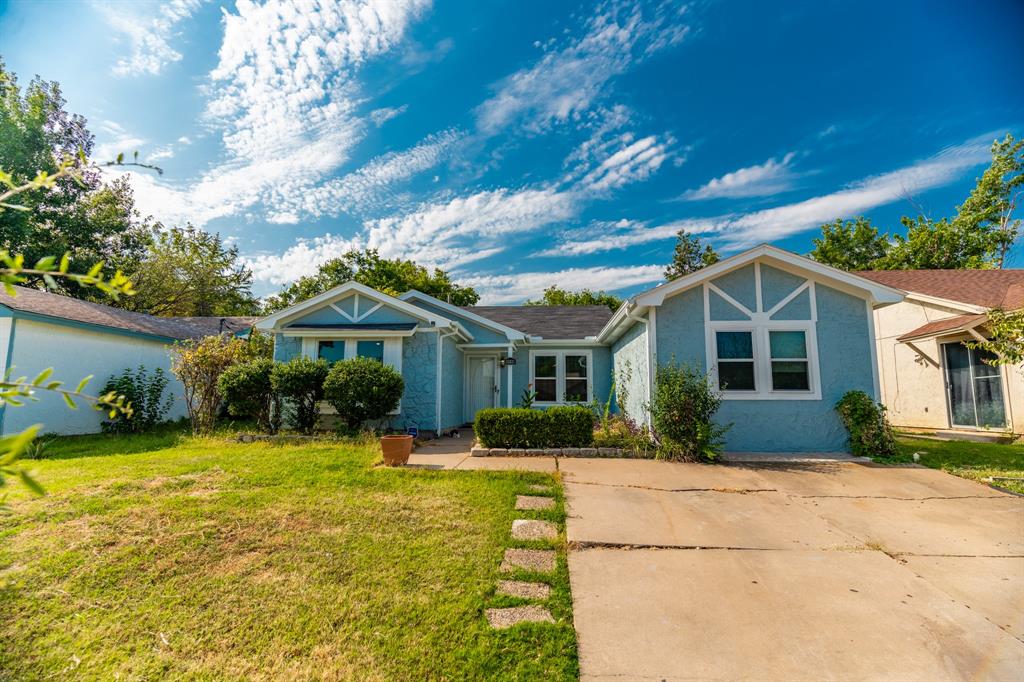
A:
[396, 449]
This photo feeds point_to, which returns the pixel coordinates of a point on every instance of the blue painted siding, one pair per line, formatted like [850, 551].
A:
[419, 369]
[328, 315]
[286, 347]
[776, 285]
[679, 323]
[740, 285]
[452, 371]
[723, 310]
[632, 372]
[797, 309]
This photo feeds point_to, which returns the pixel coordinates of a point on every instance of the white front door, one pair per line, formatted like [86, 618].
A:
[481, 384]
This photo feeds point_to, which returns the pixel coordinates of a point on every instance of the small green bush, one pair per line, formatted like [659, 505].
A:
[682, 412]
[871, 434]
[248, 392]
[362, 390]
[301, 382]
[519, 427]
[144, 391]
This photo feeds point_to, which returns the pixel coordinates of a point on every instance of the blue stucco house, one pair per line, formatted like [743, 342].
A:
[782, 336]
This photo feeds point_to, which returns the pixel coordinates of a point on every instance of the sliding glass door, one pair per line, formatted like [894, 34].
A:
[974, 387]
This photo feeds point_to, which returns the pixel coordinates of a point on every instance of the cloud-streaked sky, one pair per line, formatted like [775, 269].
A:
[525, 143]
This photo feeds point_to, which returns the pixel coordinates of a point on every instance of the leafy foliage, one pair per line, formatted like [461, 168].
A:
[554, 295]
[390, 276]
[248, 392]
[682, 410]
[568, 426]
[979, 235]
[189, 272]
[871, 435]
[301, 382]
[199, 363]
[689, 256]
[145, 392]
[362, 390]
[1005, 337]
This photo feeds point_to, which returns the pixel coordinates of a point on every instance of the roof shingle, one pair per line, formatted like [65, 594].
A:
[987, 288]
[548, 321]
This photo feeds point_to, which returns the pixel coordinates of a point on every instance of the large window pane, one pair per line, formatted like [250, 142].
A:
[790, 375]
[370, 349]
[546, 390]
[788, 344]
[331, 351]
[575, 365]
[545, 366]
[736, 376]
[735, 345]
[989, 394]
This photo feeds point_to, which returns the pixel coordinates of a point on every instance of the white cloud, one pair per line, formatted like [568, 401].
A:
[637, 161]
[443, 234]
[385, 114]
[566, 82]
[745, 230]
[115, 140]
[284, 93]
[148, 32]
[770, 177]
[161, 153]
[516, 288]
[184, 140]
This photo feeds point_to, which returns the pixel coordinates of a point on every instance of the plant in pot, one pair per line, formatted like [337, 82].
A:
[364, 390]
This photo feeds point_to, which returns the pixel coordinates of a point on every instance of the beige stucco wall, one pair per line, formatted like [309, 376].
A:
[912, 377]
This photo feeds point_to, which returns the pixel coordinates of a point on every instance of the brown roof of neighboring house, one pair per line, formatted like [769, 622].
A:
[57, 306]
[948, 325]
[987, 288]
[548, 321]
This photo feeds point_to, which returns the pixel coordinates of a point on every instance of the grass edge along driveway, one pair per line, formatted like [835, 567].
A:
[168, 556]
[966, 459]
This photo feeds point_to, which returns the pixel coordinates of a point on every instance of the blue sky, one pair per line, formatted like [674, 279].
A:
[520, 144]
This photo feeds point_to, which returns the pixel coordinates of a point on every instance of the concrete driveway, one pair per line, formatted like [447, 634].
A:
[793, 572]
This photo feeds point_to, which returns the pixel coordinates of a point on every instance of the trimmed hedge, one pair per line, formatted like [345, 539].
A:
[520, 427]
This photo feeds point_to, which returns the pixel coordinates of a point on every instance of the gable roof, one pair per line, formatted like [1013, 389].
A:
[549, 322]
[876, 292]
[986, 288]
[950, 325]
[59, 307]
[466, 312]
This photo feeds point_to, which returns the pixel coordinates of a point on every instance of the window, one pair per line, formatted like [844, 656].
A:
[371, 349]
[764, 360]
[790, 368]
[331, 351]
[545, 378]
[561, 376]
[735, 361]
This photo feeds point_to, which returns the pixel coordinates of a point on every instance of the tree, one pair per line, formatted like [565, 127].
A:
[851, 245]
[79, 215]
[390, 276]
[689, 256]
[554, 295]
[198, 364]
[1005, 337]
[980, 235]
[189, 272]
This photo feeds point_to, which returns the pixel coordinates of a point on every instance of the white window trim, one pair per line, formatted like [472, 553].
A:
[392, 356]
[559, 356]
[763, 360]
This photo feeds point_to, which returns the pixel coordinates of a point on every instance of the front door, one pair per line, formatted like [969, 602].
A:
[481, 384]
[974, 387]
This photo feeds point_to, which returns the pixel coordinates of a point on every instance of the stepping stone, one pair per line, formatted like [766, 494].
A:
[542, 560]
[519, 588]
[529, 529]
[538, 488]
[531, 502]
[506, 618]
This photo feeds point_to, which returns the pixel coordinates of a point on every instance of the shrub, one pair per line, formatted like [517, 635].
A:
[362, 390]
[871, 434]
[621, 431]
[682, 409]
[248, 393]
[198, 363]
[145, 392]
[301, 382]
[519, 427]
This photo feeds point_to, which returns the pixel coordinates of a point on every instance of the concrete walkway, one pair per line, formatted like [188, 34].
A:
[453, 453]
[792, 571]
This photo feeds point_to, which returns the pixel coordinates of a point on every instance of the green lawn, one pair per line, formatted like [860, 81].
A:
[976, 461]
[170, 557]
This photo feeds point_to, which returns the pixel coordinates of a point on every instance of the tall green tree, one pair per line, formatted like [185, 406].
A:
[689, 256]
[979, 235]
[555, 295]
[390, 276]
[189, 272]
[80, 216]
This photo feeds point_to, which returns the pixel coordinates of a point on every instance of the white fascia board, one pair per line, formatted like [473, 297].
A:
[273, 322]
[878, 294]
[510, 333]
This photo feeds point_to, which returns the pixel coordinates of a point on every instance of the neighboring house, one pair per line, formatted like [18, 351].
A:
[76, 338]
[930, 379]
[783, 337]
